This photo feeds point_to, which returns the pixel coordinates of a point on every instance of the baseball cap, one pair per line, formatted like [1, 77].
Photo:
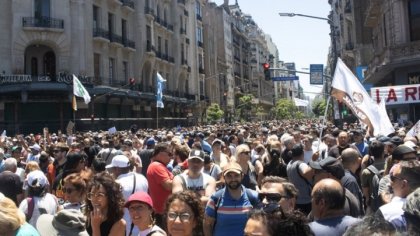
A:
[65, 222]
[232, 167]
[330, 165]
[396, 140]
[401, 150]
[196, 154]
[119, 161]
[200, 135]
[356, 131]
[35, 147]
[383, 139]
[139, 197]
[37, 178]
[217, 141]
[150, 142]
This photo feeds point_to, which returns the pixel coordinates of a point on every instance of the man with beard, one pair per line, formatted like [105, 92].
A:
[342, 143]
[227, 210]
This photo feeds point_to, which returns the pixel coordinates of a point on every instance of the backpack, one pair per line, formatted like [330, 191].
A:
[374, 198]
[30, 210]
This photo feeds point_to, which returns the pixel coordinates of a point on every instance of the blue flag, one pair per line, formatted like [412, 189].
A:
[160, 85]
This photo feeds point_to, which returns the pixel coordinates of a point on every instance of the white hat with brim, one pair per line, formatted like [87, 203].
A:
[65, 223]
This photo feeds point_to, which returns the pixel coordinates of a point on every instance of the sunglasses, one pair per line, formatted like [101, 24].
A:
[56, 150]
[247, 152]
[271, 197]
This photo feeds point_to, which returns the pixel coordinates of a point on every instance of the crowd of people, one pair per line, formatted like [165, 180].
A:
[271, 178]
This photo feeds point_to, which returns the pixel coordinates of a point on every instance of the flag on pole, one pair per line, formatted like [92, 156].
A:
[74, 103]
[79, 90]
[160, 82]
[300, 102]
[347, 88]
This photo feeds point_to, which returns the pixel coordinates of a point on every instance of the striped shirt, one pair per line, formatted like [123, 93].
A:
[232, 214]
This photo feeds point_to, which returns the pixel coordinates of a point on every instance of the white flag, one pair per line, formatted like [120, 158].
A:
[414, 131]
[347, 88]
[300, 102]
[79, 90]
[160, 86]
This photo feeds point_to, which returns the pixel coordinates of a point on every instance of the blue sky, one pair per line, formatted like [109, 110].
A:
[301, 40]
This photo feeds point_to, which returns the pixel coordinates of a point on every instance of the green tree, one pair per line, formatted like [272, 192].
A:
[318, 107]
[286, 109]
[214, 113]
[244, 107]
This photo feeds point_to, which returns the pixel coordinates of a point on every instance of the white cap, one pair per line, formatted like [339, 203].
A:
[35, 147]
[120, 161]
[37, 178]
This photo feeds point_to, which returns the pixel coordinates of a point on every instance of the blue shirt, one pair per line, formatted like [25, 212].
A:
[335, 226]
[232, 214]
[27, 230]
[206, 146]
[363, 148]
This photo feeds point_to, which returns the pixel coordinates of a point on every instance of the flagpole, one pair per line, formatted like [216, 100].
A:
[157, 117]
[74, 114]
[323, 122]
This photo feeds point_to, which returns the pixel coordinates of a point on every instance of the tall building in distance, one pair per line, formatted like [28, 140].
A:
[206, 53]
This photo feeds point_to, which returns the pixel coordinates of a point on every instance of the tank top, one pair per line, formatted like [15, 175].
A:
[198, 185]
[105, 228]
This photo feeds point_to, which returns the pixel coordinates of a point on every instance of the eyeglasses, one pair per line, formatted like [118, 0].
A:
[68, 190]
[246, 152]
[183, 217]
[98, 196]
[394, 178]
[56, 150]
[271, 197]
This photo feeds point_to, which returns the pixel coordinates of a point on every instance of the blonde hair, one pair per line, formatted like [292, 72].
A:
[11, 218]
[241, 148]
[31, 166]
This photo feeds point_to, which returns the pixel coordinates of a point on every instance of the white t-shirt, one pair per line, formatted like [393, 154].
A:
[49, 203]
[127, 182]
[154, 228]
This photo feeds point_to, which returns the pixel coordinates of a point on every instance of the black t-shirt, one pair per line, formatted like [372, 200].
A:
[10, 185]
[145, 156]
[336, 150]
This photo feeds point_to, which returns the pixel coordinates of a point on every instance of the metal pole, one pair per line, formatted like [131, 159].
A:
[323, 122]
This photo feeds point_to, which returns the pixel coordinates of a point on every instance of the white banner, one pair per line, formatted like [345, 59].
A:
[402, 94]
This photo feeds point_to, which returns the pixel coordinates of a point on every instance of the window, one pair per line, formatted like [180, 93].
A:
[34, 66]
[159, 44]
[198, 8]
[414, 19]
[42, 8]
[125, 70]
[166, 47]
[96, 21]
[111, 69]
[96, 65]
[111, 23]
[124, 30]
[199, 34]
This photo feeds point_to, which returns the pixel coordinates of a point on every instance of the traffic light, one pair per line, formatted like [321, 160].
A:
[267, 74]
[132, 83]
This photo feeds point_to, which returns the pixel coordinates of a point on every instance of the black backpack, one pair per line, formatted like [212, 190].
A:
[374, 198]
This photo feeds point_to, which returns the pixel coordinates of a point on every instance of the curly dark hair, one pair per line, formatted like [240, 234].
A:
[192, 199]
[114, 195]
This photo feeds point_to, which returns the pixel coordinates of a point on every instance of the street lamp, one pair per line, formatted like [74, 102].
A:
[303, 15]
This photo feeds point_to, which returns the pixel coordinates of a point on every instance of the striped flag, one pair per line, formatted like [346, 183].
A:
[79, 90]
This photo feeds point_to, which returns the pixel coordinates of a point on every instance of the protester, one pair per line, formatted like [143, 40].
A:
[140, 207]
[328, 199]
[411, 210]
[65, 222]
[250, 179]
[277, 190]
[343, 142]
[104, 207]
[12, 220]
[226, 210]
[10, 183]
[184, 214]
[74, 189]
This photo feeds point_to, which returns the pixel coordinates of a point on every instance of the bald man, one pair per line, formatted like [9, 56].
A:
[328, 198]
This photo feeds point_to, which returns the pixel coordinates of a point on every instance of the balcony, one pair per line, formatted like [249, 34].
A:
[128, 43]
[201, 70]
[187, 41]
[99, 33]
[200, 18]
[200, 44]
[184, 62]
[182, 31]
[171, 59]
[349, 46]
[150, 48]
[237, 58]
[165, 57]
[181, 2]
[149, 12]
[186, 13]
[116, 39]
[42, 22]
[127, 3]
[347, 8]
[170, 27]
[159, 54]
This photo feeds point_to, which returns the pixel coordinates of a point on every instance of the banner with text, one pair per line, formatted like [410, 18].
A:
[402, 94]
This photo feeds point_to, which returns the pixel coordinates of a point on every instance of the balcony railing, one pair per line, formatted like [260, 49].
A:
[170, 27]
[43, 22]
[182, 31]
[184, 62]
[200, 18]
[158, 54]
[171, 59]
[127, 3]
[181, 2]
[128, 43]
[187, 41]
[149, 11]
[186, 13]
[201, 70]
[115, 38]
[200, 44]
[349, 46]
[101, 33]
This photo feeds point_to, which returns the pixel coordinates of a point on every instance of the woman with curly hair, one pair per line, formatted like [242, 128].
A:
[104, 207]
[184, 214]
